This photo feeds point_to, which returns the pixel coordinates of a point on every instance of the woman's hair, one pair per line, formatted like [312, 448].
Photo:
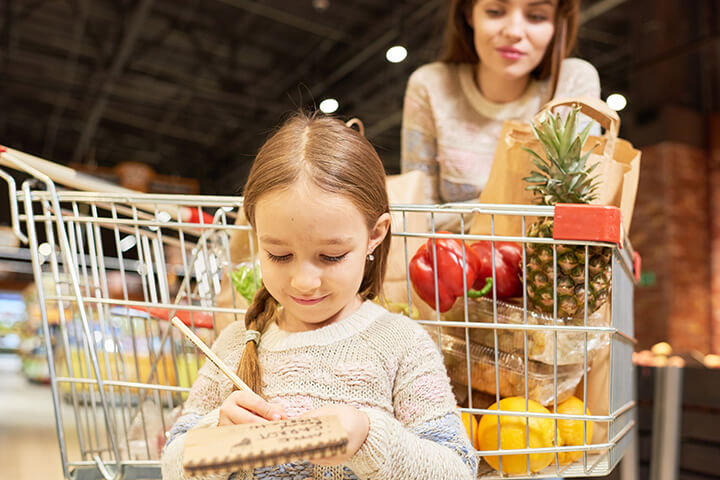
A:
[460, 48]
[335, 158]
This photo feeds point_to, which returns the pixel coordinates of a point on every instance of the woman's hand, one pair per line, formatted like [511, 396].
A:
[355, 423]
[248, 407]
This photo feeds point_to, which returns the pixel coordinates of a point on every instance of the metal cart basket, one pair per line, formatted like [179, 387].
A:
[117, 265]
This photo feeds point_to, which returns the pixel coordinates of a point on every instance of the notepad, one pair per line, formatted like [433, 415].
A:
[242, 447]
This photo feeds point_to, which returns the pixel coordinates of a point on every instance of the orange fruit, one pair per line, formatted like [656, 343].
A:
[571, 431]
[514, 434]
[468, 419]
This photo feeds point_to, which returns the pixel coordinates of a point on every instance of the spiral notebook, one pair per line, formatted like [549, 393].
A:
[243, 447]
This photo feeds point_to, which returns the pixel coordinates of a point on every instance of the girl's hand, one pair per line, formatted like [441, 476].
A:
[355, 423]
[248, 407]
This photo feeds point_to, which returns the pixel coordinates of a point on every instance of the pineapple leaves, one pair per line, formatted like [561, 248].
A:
[563, 175]
[536, 177]
[568, 133]
[535, 155]
[584, 134]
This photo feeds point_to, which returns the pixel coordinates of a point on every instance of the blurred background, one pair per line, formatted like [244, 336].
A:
[175, 96]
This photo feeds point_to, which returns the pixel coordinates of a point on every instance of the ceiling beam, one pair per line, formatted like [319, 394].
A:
[119, 60]
[375, 40]
[598, 9]
[31, 94]
[372, 47]
[600, 36]
[286, 18]
[68, 74]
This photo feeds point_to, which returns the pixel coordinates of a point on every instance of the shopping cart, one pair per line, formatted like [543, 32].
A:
[122, 263]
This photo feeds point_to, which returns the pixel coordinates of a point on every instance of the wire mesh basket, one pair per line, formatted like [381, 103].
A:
[118, 265]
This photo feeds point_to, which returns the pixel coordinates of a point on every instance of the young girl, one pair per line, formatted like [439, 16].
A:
[313, 343]
[503, 60]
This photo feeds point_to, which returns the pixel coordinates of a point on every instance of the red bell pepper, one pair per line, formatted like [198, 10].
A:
[450, 271]
[508, 266]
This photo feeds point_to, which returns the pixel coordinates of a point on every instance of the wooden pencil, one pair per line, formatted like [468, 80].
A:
[210, 354]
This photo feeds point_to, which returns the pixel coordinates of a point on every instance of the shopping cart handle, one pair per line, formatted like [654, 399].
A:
[588, 223]
[189, 318]
[637, 266]
[193, 215]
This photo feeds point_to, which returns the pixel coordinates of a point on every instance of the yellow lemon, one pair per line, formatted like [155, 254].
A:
[469, 419]
[571, 431]
[514, 435]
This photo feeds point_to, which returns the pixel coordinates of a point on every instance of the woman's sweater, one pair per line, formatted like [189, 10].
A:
[381, 363]
[450, 130]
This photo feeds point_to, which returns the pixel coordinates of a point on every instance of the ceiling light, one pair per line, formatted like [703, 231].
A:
[321, 5]
[616, 101]
[329, 105]
[396, 54]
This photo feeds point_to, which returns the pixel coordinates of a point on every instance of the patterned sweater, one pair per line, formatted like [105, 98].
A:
[450, 130]
[381, 363]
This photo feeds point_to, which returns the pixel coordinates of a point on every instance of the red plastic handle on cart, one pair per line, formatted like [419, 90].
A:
[589, 223]
[3, 149]
[198, 319]
[195, 216]
[637, 266]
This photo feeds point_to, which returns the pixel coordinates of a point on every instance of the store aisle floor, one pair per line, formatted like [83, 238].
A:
[28, 439]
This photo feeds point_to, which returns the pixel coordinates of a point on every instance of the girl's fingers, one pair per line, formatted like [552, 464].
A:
[232, 414]
[256, 404]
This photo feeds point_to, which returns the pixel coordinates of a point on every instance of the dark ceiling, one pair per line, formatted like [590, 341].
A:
[192, 88]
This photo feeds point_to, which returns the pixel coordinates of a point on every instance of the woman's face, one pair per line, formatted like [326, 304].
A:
[313, 248]
[511, 36]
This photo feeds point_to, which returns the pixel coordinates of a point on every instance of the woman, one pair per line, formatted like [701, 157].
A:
[503, 60]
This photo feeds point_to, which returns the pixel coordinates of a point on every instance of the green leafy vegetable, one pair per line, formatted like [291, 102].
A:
[246, 281]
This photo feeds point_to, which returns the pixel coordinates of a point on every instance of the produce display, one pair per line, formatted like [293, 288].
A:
[573, 432]
[563, 176]
[511, 370]
[515, 433]
[464, 269]
[508, 273]
[518, 432]
[571, 346]
[471, 426]
[456, 271]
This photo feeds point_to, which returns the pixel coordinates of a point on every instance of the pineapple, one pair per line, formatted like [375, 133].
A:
[562, 176]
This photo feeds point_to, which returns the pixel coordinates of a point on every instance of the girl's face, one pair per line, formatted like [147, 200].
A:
[313, 250]
[511, 36]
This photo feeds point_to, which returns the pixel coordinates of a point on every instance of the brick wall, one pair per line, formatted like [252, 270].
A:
[671, 231]
[714, 137]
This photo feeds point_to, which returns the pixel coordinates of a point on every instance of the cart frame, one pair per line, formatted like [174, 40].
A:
[69, 232]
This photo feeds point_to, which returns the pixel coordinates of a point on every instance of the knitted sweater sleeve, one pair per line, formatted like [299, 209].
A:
[201, 409]
[418, 136]
[425, 438]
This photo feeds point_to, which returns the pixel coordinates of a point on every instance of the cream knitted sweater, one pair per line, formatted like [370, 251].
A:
[381, 363]
[450, 130]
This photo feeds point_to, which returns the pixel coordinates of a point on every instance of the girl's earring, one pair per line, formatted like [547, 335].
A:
[370, 257]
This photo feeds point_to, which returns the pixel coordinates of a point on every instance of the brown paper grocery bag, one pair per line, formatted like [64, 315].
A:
[598, 383]
[618, 169]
